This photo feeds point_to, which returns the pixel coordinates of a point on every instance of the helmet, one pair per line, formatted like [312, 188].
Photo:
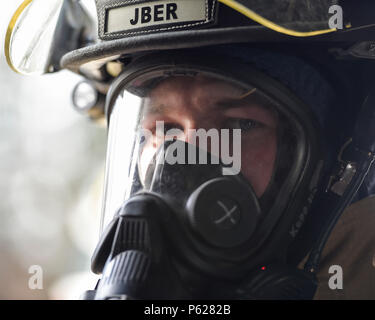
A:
[232, 149]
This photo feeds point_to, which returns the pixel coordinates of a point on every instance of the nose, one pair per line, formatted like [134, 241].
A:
[200, 133]
[189, 132]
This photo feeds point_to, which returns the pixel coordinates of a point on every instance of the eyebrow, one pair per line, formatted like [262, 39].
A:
[240, 102]
[162, 109]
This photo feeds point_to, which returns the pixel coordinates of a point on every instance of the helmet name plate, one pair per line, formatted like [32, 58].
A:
[144, 17]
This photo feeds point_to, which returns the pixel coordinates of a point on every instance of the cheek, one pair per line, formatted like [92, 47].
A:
[258, 159]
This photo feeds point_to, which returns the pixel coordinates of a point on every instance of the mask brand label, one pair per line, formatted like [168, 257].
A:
[143, 17]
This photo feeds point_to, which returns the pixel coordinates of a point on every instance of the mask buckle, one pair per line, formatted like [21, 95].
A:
[340, 181]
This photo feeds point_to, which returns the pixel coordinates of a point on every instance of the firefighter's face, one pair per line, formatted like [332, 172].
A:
[206, 103]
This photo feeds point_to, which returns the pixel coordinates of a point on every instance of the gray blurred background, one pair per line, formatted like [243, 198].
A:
[51, 176]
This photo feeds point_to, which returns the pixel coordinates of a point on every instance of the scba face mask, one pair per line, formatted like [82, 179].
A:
[210, 165]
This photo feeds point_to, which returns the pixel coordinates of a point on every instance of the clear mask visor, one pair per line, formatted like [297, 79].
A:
[170, 131]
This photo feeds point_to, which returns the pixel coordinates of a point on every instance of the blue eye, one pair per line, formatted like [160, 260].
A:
[246, 124]
[242, 124]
